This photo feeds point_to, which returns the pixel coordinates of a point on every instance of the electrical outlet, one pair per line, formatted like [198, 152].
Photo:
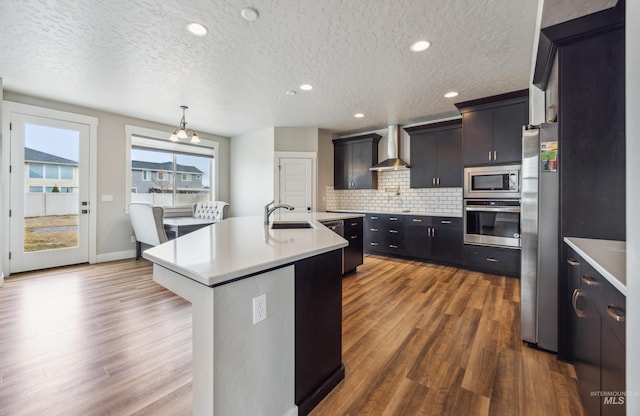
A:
[259, 308]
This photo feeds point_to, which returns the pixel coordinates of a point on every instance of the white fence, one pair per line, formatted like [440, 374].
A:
[40, 204]
[167, 199]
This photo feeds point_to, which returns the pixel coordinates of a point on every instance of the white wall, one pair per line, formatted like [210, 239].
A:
[325, 168]
[1, 201]
[113, 239]
[633, 202]
[251, 171]
[295, 139]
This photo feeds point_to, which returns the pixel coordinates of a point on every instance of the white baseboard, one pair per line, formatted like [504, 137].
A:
[292, 412]
[116, 255]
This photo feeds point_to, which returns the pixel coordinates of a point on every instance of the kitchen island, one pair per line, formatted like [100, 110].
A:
[272, 366]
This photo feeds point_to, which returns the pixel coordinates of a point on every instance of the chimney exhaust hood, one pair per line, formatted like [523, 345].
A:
[393, 161]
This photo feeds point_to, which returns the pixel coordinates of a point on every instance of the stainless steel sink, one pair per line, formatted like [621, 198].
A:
[279, 225]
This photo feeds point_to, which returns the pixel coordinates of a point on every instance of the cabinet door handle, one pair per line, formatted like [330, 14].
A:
[611, 311]
[445, 222]
[373, 244]
[393, 231]
[374, 218]
[495, 155]
[489, 155]
[492, 260]
[416, 220]
[433, 181]
[353, 224]
[392, 246]
[373, 229]
[438, 181]
[353, 237]
[393, 219]
[433, 232]
[573, 263]
[590, 281]
[574, 300]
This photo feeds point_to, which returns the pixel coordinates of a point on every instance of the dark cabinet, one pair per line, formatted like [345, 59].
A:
[352, 159]
[596, 322]
[318, 339]
[492, 128]
[446, 237]
[436, 155]
[417, 236]
[498, 260]
[353, 253]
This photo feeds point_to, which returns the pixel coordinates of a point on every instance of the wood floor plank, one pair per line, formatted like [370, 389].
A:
[418, 339]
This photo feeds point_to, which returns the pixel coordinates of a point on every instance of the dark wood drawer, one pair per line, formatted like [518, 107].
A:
[498, 260]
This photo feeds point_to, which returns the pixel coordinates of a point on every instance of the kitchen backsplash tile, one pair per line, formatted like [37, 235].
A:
[394, 195]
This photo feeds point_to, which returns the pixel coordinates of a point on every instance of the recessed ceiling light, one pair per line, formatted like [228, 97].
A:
[451, 94]
[291, 92]
[197, 29]
[306, 87]
[358, 115]
[249, 14]
[419, 46]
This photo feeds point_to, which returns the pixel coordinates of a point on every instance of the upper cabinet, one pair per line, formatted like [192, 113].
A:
[436, 155]
[492, 128]
[352, 159]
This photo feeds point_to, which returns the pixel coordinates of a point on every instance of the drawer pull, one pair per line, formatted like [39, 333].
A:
[374, 218]
[393, 219]
[374, 229]
[353, 224]
[373, 244]
[492, 260]
[573, 263]
[393, 231]
[353, 237]
[611, 311]
[590, 281]
[416, 220]
[393, 246]
[445, 222]
[574, 300]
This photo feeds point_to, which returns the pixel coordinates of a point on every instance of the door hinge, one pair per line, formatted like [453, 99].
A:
[10, 167]
[9, 212]
[10, 126]
[9, 255]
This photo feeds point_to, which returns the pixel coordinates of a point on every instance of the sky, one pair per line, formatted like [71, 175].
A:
[55, 141]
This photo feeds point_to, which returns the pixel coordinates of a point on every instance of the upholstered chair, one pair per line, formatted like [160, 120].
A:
[214, 210]
[146, 220]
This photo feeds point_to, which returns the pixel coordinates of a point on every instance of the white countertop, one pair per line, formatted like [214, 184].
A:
[240, 246]
[608, 257]
[411, 212]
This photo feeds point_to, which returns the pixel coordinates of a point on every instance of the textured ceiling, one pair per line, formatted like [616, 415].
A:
[136, 58]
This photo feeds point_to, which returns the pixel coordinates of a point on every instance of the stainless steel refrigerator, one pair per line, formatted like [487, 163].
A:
[539, 237]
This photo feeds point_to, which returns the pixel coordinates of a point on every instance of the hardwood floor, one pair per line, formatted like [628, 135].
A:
[419, 339]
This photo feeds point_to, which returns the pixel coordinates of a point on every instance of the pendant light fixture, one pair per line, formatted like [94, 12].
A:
[182, 133]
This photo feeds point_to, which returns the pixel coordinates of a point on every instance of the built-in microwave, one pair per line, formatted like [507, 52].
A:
[492, 182]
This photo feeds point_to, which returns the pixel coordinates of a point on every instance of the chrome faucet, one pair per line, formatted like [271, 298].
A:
[268, 211]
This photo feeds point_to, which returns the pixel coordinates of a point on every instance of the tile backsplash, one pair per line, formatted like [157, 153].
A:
[394, 195]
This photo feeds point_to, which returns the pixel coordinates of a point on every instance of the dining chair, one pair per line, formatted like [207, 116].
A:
[146, 220]
[215, 210]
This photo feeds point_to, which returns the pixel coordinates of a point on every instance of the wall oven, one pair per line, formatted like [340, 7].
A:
[492, 222]
[492, 182]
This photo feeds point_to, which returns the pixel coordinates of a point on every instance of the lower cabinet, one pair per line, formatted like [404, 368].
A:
[353, 253]
[417, 236]
[597, 338]
[318, 328]
[498, 260]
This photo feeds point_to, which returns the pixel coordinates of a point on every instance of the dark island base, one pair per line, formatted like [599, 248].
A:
[305, 407]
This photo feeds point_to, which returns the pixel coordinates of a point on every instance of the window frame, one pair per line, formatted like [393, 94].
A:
[206, 147]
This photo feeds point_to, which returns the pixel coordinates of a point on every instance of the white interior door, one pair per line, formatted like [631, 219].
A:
[49, 180]
[295, 183]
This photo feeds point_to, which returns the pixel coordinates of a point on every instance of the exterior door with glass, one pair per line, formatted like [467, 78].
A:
[49, 202]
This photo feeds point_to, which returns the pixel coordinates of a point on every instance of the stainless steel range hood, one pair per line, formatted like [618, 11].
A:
[393, 161]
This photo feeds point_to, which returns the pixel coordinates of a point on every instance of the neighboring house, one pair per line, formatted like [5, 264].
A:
[153, 177]
[45, 172]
